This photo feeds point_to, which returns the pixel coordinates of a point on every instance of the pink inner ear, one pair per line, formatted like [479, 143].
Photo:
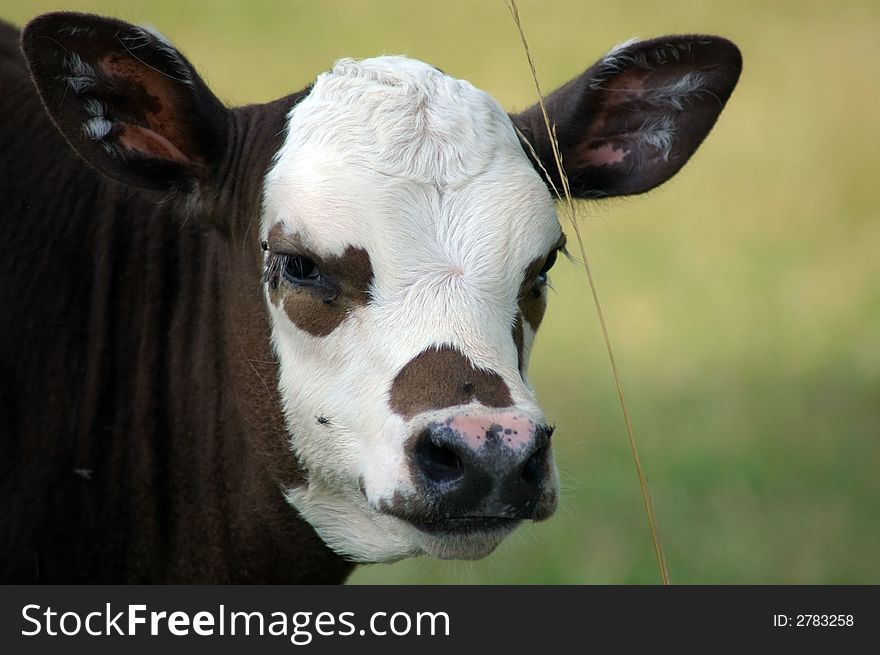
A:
[152, 144]
[150, 101]
[603, 155]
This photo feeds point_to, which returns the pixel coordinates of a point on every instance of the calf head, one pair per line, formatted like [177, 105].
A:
[407, 230]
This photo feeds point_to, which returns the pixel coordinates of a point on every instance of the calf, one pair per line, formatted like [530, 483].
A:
[259, 344]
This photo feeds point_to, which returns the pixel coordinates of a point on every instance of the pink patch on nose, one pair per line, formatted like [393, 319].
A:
[512, 429]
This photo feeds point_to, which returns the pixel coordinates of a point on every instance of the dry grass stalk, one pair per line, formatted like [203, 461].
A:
[551, 130]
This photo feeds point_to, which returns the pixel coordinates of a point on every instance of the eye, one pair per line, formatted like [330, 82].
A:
[300, 270]
[541, 279]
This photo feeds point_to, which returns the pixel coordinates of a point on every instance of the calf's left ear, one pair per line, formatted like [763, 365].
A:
[126, 100]
[632, 120]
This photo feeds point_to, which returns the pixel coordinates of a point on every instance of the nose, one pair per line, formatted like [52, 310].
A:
[490, 465]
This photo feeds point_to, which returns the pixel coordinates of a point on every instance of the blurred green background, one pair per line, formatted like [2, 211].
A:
[743, 297]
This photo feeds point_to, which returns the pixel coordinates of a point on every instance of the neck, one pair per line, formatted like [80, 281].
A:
[244, 461]
[262, 538]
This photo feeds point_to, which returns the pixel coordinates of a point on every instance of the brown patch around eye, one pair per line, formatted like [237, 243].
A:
[532, 299]
[320, 309]
[444, 377]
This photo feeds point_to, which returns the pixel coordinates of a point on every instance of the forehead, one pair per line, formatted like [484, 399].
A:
[391, 153]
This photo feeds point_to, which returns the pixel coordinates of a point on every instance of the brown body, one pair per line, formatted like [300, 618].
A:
[140, 434]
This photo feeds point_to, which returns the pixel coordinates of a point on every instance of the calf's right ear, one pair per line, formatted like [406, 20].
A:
[126, 100]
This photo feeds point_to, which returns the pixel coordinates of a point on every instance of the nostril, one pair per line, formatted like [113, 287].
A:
[535, 467]
[440, 464]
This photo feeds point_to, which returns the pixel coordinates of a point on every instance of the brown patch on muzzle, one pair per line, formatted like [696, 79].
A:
[444, 377]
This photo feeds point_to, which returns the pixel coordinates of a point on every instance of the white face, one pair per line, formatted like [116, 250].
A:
[401, 216]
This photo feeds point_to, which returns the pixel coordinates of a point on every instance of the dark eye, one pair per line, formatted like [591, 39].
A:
[299, 269]
[541, 280]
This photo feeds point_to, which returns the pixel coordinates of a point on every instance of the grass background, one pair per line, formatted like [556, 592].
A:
[743, 297]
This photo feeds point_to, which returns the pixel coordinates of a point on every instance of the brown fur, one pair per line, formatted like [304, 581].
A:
[444, 377]
[141, 438]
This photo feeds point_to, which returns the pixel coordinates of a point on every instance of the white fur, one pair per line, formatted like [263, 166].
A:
[82, 74]
[97, 127]
[426, 174]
